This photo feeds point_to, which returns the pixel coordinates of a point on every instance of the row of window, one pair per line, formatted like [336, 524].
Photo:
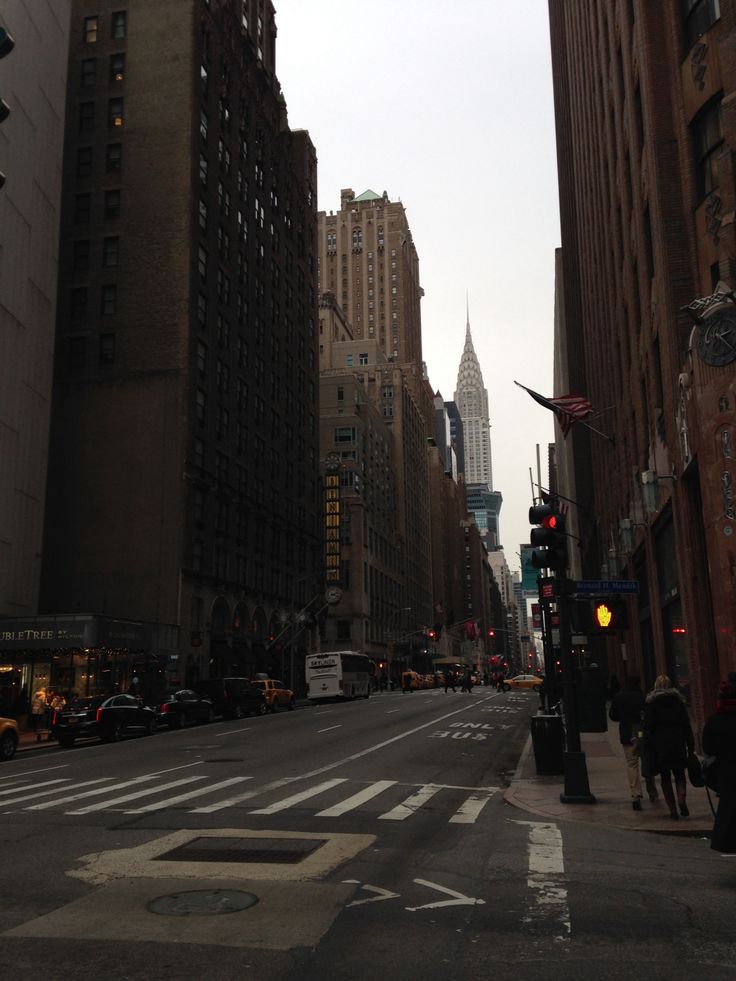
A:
[115, 114]
[80, 301]
[81, 252]
[83, 206]
[78, 350]
[113, 159]
[93, 23]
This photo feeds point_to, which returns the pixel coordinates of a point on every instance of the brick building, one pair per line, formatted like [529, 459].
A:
[646, 131]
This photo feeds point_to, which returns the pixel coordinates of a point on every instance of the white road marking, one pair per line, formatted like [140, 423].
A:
[287, 802]
[412, 804]
[199, 792]
[329, 729]
[28, 786]
[350, 803]
[45, 793]
[457, 900]
[391, 711]
[230, 732]
[470, 809]
[546, 879]
[380, 894]
[32, 773]
[107, 804]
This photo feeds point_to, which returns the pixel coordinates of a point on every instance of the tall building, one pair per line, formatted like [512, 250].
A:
[184, 467]
[646, 134]
[471, 398]
[32, 83]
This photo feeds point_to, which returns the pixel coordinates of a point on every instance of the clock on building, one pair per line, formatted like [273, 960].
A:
[716, 340]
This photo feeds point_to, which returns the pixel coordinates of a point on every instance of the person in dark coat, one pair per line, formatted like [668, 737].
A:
[627, 708]
[670, 735]
[719, 740]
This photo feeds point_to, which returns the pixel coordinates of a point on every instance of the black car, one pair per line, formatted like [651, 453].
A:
[181, 706]
[108, 717]
[232, 698]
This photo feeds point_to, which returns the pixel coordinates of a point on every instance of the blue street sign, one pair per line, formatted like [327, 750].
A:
[606, 586]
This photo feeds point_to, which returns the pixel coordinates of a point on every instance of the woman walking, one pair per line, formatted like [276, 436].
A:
[719, 740]
[670, 735]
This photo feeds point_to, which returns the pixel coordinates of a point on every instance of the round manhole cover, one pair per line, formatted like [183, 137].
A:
[202, 902]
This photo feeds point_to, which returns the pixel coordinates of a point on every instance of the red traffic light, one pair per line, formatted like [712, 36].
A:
[491, 633]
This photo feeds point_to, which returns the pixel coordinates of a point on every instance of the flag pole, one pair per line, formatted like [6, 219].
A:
[610, 439]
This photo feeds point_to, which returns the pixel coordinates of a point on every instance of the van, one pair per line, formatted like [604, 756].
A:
[232, 698]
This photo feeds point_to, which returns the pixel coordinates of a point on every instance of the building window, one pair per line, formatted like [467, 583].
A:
[78, 306]
[111, 252]
[112, 204]
[115, 112]
[202, 311]
[82, 208]
[89, 73]
[203, 169]
[202, 261]
[349, 361]
[109, 300]
[114, 158]
[201, 358]
[117, 68]
[203, 124]
[698, 17]
[84, 161]
[118, 25]
[203, 215]
[91, 25]
[200, 406]
[86, 117]
[340, 393]
[80, 256]
[363, 359]
[107, 349]
[199, 452]
[345, 434]
[707, 140]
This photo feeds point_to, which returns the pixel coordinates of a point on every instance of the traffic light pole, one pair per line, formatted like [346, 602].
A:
[577, 787]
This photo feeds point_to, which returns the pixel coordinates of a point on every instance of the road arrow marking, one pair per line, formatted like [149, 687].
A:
[380, 894]
[459, 899]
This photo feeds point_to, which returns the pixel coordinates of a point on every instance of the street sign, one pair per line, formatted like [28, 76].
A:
[605, 586]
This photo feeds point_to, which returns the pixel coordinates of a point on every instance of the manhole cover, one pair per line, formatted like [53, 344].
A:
[202, 902]
[283, 851]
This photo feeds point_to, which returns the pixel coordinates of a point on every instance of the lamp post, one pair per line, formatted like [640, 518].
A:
[392, 632]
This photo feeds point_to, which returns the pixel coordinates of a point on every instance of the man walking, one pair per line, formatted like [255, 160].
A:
[449, 681]
[627, 708]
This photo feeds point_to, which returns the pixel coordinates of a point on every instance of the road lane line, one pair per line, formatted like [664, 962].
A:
[287, 802]
[109, 804]
[411, 805]
[55, 790]
[32, 773]
[546, 879]
[199, 792]
[357, 799]
[230, 732]
[470, 809]
[329, 729]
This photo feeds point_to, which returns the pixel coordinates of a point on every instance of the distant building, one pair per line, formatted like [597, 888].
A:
[471, 398]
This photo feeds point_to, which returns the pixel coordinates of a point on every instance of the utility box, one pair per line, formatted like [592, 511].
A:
[548, 744]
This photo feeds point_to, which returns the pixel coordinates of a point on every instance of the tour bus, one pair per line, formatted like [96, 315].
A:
[339, 674]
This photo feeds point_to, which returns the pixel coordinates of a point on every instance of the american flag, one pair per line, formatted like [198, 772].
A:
[568, 409]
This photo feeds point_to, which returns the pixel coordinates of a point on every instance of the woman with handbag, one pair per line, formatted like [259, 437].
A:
[719, 741]
[668, 731]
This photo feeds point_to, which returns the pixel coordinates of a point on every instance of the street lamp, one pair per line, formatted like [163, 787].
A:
[392, 632]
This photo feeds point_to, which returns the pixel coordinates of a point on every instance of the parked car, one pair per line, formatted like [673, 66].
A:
[232, 698]
[107, 717]
[275, 693]
[8, 738]
[181, 706]
[522, 681]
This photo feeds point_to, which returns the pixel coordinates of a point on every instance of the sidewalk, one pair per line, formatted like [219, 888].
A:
[609, 785]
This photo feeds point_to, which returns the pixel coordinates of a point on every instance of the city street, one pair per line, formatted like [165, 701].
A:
[359, 840]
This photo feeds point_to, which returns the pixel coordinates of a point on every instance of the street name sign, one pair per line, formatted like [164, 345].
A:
[606, 586]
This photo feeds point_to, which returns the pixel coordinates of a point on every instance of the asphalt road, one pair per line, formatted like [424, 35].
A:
[358, 840]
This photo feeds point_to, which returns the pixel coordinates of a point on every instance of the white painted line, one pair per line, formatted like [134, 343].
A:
[32, 773]
[230, 732]
[109, 804]
[546, 879]
[391, 711]
[55, 790]
[287, 802]
[321, 713]
[470, 809]
[329, 729]
[411, 805]
[29, 786]
[199, 792]
[357, 799]
[457, 900]
[104, 790]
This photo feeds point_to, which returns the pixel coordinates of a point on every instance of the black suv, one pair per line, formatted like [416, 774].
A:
[232, 698]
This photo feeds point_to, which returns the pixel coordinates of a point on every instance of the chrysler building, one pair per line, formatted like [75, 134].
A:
[471, 399]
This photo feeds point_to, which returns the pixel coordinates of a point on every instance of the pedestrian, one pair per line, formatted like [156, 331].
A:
[500, 678]
[38, 712]
[627, 708]
[719, 741]
[667, 727]
[467, 682]
[450, 682]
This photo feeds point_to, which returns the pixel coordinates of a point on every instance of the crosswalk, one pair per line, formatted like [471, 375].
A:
[200, 793]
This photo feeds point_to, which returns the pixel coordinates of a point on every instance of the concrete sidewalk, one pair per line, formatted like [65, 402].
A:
[609, 785]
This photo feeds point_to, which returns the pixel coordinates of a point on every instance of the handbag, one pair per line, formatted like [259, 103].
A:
[695, 770]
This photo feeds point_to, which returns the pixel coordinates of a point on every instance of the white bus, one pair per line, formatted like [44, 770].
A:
[339, 674]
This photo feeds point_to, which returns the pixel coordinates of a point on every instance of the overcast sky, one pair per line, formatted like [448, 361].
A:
[448, 108]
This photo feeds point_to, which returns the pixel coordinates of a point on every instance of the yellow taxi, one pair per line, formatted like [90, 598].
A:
[275, 693]
[8, 738]
[522, 681]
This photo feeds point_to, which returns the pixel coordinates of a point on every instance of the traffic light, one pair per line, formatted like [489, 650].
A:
[550, 536]
[491, 632]
[6, 46]
[608, 616]
[431, 634]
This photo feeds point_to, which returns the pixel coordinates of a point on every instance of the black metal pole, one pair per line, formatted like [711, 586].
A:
[577, 788]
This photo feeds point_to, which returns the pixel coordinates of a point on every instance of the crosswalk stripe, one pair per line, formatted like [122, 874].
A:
[287, 802]
[412, 804]
[350, 803]
[92, 793]
[54, 790]
[29, 786]
[241, 798]
[103, 805]
[470, 809]
[199, 792]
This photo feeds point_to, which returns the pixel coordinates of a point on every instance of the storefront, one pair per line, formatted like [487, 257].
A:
[73, 656]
